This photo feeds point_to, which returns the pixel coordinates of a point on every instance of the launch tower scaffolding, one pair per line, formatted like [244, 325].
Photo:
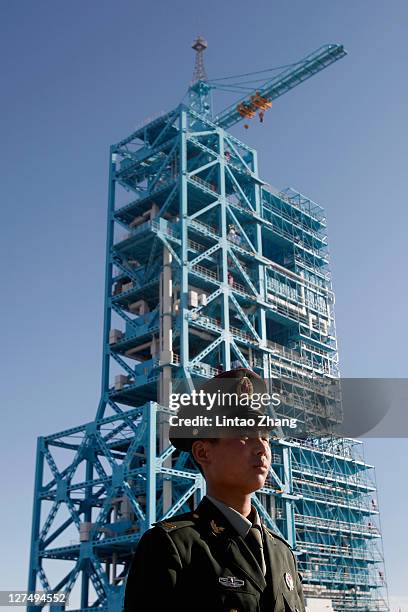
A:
[207, 267]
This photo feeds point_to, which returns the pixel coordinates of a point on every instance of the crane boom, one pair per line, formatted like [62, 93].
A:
[285, 81]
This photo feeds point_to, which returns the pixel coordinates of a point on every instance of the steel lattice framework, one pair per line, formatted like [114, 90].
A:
[207, 266]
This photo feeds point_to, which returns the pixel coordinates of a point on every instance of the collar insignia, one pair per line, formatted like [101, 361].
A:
[216, 529]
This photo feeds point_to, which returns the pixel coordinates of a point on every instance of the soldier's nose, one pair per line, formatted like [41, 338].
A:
[260, 446]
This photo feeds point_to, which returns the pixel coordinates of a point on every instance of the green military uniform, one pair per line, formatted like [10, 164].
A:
[198, 562]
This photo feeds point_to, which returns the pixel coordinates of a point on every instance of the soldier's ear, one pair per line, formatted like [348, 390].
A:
[200, 453]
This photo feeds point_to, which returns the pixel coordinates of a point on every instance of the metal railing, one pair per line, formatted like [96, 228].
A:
[204, 183]
[205, 272]
[315, 521]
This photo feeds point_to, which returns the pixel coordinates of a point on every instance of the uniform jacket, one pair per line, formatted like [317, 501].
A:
[197, 562]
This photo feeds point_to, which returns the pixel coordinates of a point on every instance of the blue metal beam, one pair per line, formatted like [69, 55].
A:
[285, 81]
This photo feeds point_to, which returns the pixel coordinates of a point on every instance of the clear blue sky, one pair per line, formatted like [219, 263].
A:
[79, 75]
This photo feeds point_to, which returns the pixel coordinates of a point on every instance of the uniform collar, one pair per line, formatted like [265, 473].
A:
[238, 521]
[228, 543]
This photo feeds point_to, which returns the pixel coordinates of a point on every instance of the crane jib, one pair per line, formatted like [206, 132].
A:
[284, 81]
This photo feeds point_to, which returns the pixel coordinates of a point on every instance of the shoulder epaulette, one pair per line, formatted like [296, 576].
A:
[278, 537]
[176, 522]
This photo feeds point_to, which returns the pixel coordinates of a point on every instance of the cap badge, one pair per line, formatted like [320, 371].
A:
[245, 386]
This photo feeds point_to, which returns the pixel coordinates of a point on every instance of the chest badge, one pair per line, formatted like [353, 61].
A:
[231, 581]
[289, 580]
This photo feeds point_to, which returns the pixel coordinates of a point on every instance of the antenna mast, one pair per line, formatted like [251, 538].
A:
[199, 46]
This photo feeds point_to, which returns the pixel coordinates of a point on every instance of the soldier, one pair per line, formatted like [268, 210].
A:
[220, 557]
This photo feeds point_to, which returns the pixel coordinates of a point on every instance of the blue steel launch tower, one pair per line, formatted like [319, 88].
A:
[207, 266]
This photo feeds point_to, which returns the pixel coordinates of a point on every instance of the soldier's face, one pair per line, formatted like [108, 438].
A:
[241, 463]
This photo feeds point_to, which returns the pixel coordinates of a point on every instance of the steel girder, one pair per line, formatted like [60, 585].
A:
[216, 267]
